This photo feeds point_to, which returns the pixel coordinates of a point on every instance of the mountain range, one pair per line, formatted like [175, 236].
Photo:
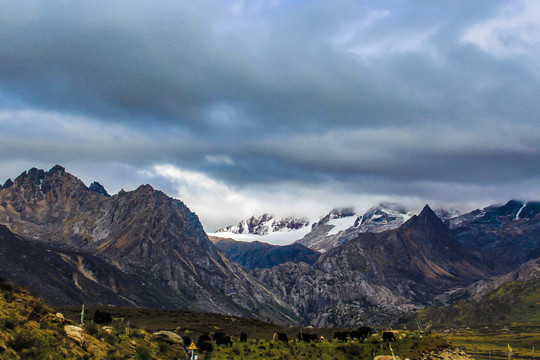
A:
[72, 243]
[337, 227]
[145, 247]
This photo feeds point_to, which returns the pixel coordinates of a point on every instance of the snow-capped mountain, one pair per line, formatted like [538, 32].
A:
[504, 235]
[343, 225]
[326, 233]
[264, 225]
[447, 214]
[337, 227]
[385, 216]
[266, 228]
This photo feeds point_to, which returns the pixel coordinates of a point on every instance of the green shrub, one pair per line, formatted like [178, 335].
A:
[6, 286]
[92, 328]
[110, 338]
[9, 323]
[164, 347]
[236, 350]
[23, 340]
[9, 295]
[40, 353]
[137, 334]
[38, 306]
[143, 353]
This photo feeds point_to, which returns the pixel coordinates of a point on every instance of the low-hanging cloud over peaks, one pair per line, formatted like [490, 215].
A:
[374, 99]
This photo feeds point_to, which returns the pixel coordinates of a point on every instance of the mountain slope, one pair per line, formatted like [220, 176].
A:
[503, 236]
[261, 255]
[67, 277]
[143, 233]
[513, 298]
[524, 273]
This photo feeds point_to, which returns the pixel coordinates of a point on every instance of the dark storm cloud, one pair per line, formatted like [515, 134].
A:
[372, 97]
[170, 61]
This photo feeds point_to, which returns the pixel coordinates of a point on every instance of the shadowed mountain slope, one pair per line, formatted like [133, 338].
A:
[261, 255]
[503, 236]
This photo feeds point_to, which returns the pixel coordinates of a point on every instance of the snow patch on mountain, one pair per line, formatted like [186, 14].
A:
[520, 210]
[341, 224]
[274, 238]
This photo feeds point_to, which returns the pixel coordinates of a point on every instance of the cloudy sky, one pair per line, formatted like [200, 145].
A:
[290, 107]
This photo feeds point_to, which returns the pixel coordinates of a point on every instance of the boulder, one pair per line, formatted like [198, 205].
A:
[60, 317]
[75, 333]
[169, 337]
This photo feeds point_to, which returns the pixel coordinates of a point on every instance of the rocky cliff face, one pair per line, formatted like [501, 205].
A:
[66, 277]
[142, 232]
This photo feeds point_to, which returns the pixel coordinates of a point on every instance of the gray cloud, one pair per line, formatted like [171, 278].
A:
[361, 97]
[168, 62]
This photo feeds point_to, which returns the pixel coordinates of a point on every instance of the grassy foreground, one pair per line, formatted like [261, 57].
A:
[29, 329]
[485, 327]
[489, 342]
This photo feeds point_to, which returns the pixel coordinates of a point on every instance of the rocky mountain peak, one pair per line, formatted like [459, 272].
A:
[335, 213]
[145, 188]
[98, 188]
[7, 184]
[427, 215]
[57, 170]
[503, 235]
[516, 209]
[36, 185]
[338, 213]
[427, 219]
[529, 210]
[385, 216]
